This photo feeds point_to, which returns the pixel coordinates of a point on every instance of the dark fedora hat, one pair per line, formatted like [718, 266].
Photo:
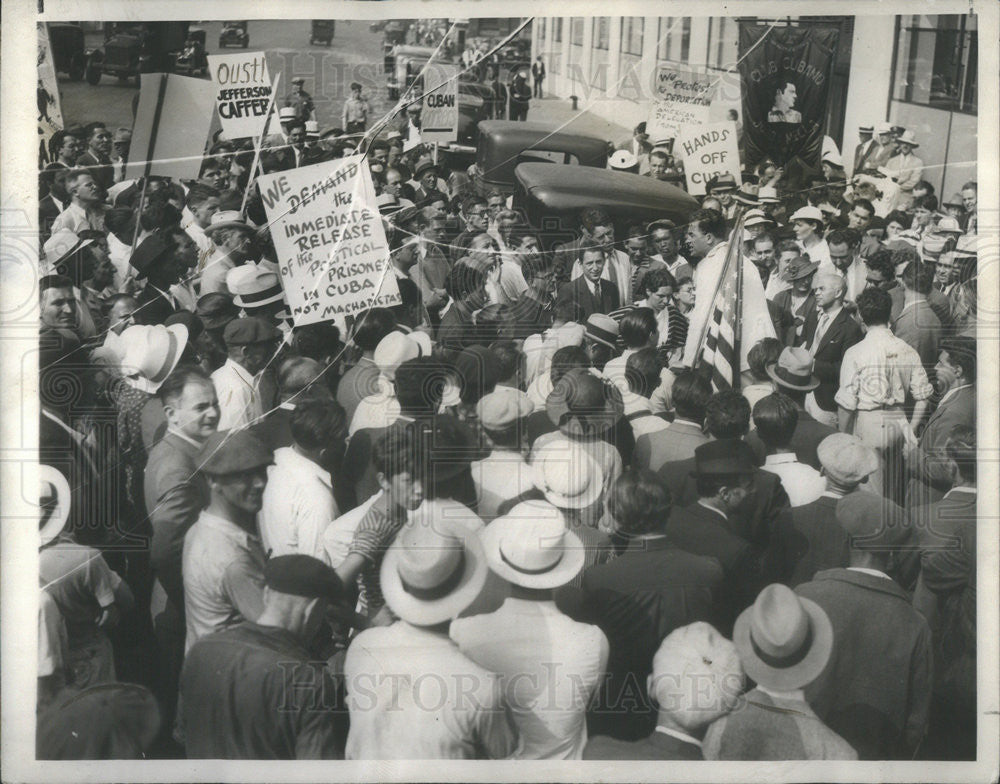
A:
[724, 457]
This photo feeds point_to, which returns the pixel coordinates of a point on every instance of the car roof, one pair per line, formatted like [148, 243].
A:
[502, 141]
[572, 188]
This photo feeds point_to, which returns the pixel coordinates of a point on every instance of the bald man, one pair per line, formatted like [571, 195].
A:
[828, 336]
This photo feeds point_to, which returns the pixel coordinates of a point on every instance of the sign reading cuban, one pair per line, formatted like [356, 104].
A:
[328, 234]
[243, 92]
[682, 99]
[439, 116]
[709, 151]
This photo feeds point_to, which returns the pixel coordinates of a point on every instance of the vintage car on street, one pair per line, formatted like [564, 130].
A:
[552, 198]
[407, 62]
[133, 49]
[321, 32]
[69, 56]
[503, 144]
[234, 34]
[192, 60]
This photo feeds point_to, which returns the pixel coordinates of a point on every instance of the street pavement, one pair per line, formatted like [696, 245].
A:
[354, 55]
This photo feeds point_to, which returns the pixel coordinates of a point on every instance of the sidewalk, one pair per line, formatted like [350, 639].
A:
[560, 110]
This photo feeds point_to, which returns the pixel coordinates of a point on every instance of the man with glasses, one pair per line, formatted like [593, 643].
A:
[475, 215]
[845, 261]
[881, 274]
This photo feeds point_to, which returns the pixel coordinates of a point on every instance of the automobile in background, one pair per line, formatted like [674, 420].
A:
[322, 31]
[504, 144]
[407, 63]
[234, 34]
[192, 60]
[132, 49]
[552, 197]
[69, 55]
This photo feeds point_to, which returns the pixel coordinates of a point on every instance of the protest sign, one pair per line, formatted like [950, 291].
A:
[331, 245]
[439, 117]
[243, 92]
[171, 127]
[708, 151]
[50, 117]
[682, 99]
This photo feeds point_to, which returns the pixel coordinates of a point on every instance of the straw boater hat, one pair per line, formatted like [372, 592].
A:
[783, 639]
[622, 160]
[60, 246]
[150, 353]
[287, 113]
[55, 499]
[768, 194]
[908, 138]
[253, 287]
[433, 572]
[228, 219]
[794, 369]
[531, 547]
[567, 475]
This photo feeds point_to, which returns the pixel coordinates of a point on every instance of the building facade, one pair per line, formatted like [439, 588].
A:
[926, 81]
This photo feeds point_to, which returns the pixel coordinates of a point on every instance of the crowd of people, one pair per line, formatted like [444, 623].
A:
[510, 516]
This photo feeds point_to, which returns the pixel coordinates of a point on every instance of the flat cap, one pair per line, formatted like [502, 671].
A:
[846, 459]
[303, 575]
[248, 330]
[233, 452]
[872, 522]
[503, 407]
[216, 309]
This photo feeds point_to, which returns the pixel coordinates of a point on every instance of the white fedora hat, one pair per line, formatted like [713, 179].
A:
[55, 494]
[60, 245]
[393, 350]
[566, 474]
[531, 547]
[150, 353]
[432, 572]
[228, 219]
[253, 287]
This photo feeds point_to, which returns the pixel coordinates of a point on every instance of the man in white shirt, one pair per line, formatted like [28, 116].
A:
[905, 168]
[532, 549]
[412, 693]
[86, 208]
[251, 344]
[504, 474]
[202, 204]
[234, 245]
[775, 418]
[298, 501]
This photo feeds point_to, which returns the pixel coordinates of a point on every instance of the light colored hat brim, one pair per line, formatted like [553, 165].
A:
[799, 674]
[430, 612]
[229, 225]
[152, 387]
[238, 300]
[57, 522]
[561, 501]
[564, 570]
[813, 381]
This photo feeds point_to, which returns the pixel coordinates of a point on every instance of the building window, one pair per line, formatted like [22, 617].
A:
[540, 27]
[673, 39]
[935, 63]
[632, 29]
[557, 24]
[723, 44]
[576, 31]
[600, 32]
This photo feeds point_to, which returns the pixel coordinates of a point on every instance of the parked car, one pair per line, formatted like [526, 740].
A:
[407, 62]
[192, 60]
[69, 55]
[552, 198]
[503, 144]
[322, 31]
[133, 49]
[234, 34]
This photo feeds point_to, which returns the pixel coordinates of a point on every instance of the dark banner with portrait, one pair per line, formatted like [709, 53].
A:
[785, 76]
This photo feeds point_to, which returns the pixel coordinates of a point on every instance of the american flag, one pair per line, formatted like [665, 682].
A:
[720, 351]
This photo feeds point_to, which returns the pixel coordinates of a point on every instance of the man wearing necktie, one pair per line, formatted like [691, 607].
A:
[835, 332]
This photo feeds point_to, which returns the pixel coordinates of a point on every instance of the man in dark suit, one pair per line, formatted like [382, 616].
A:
[792, 374]
[875, 691]
[809, 539]
[828, 337]
[637, 599]
[589, 292]
[955, 375]
[727, 416]
[690, 393]
[97, 158]
[724, 471]
[690, 671]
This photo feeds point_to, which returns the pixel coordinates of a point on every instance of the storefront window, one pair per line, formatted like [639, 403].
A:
[935, 62]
